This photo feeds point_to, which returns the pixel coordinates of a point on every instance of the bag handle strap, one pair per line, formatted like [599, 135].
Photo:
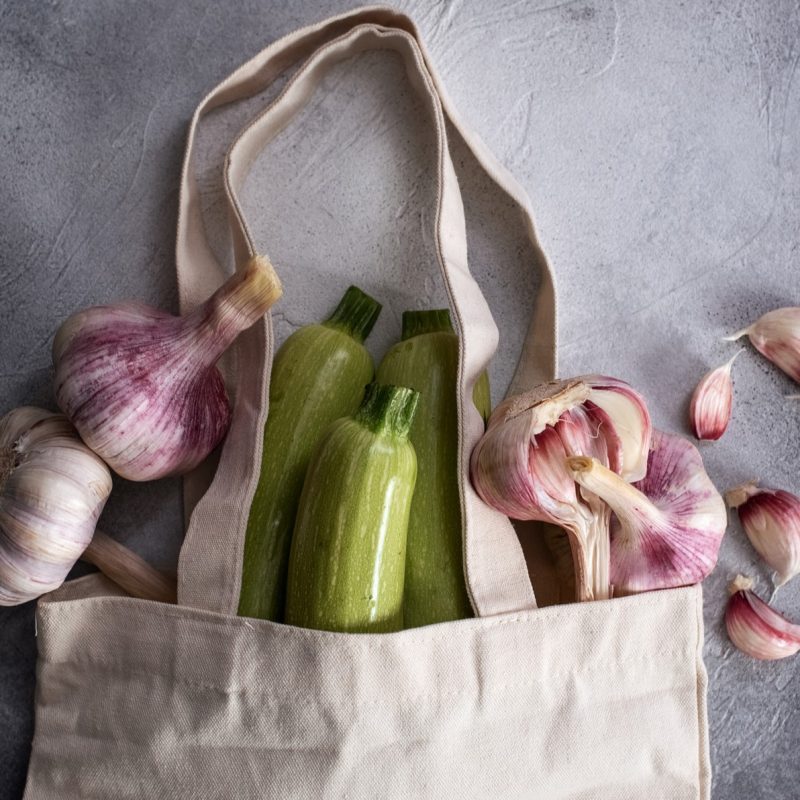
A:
[210, 562]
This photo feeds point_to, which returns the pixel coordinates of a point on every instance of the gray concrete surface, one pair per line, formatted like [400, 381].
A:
[660, 143]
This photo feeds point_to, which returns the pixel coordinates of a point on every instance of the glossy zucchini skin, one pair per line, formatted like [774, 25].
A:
[348, 554]
[318, 376]
[428, 362]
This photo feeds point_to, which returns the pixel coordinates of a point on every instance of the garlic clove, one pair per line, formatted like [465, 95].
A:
[712, 400]
[668, 527]
[776, 335]
[129, 571]
[521, 476]
[755, 628]
[141, 385]
[541, 406]
[52, 490]
[628, 412]
[771, 520]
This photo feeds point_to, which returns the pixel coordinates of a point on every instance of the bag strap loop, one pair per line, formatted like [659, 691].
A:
[210, 563]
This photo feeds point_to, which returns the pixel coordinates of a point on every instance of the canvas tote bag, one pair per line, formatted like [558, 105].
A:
[136, 699]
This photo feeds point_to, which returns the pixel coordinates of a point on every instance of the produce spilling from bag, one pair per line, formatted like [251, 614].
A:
[356, 521]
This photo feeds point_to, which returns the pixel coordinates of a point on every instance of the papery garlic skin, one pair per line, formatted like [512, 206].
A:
[519, 465]
[771, 520]
[712, 401]
[776, 336]
[668, 527]
[755, 628]
[52, 491]
[513, 471]
[141, 385]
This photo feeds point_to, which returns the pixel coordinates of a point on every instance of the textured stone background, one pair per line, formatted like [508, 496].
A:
[660, 144]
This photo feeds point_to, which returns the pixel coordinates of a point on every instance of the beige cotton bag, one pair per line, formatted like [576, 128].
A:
[136, 699]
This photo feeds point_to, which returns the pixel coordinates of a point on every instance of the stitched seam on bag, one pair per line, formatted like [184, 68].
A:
[149, 609]
[703, 776]
[124, 671]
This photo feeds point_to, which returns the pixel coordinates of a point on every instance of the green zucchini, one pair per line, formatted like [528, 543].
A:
[482, 396]
[347, 564]
[318, 376]
[427, 360]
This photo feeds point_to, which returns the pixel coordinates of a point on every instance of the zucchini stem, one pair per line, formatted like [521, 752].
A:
[435, 320]
[355, 315]
[388, 409]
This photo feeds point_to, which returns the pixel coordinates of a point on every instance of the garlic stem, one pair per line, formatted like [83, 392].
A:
[235, 306]
[129, 570]
[604, 491]
[626, 501]
[598, 550]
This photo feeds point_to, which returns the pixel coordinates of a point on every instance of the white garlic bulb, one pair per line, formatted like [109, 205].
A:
[52, 490]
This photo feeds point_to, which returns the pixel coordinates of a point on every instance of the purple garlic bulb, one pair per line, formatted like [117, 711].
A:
[141, 385]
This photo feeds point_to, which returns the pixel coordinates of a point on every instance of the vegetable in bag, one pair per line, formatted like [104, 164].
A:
[426, 359]
[348, 554]
[318, 376]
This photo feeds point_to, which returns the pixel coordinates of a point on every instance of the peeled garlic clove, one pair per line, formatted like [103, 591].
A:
[668, 527]
[52, 490]
[141, 385]
[776, 336]
[771, 520]
[710, 408]
[755, 628]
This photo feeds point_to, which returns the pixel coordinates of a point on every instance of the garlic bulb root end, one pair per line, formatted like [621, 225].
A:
[741, 494]
[741, 583]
